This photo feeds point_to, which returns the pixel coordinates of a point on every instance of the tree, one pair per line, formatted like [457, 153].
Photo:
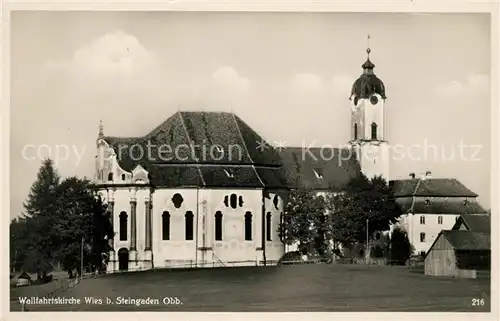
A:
[82, 215]
[40, 214]
[58, 216]
[362, 205]
[18, 242]
[400, 247]
[303, 220]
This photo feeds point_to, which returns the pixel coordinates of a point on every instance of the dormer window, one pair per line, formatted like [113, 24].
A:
[466, 202]
[318, 172]
[229, 172]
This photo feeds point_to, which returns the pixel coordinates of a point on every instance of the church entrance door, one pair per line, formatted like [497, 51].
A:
[123, 259]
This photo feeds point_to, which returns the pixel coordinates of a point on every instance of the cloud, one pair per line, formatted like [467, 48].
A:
[115, 54]
[227, 78]
[224, 90]
[117, 71]
[475, 83]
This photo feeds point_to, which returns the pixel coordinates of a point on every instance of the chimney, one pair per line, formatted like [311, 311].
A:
[412, 175]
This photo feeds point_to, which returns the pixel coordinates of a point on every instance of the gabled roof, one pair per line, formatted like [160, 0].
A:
[468, 240]
[431, 187]
[315, 168]
[462, 240]
[476, 223]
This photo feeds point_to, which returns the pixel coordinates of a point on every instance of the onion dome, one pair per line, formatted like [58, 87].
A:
[368, 83]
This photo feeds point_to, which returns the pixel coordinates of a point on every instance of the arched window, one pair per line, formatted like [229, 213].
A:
[440, 220]
[281, 226]
[248, 226]
[123, 177]
[422, 237]
[165, 226]
[189, 225]
[355, 131]
[233, 200]
[422, 219]
[123, 226]
[268, 226]
[218, 226]
[110, 176]
[374, 131]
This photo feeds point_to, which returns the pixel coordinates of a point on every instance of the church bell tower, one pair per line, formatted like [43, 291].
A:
[368, 122]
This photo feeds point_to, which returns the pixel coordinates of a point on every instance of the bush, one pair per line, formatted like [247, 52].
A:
[400, 247]
[293, 256]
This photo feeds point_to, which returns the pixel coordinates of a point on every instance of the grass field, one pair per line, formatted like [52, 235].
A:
[322, 287]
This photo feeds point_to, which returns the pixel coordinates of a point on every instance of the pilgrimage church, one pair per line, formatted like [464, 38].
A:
[220, 201]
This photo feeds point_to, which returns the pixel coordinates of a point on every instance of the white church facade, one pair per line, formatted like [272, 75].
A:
[203, 189]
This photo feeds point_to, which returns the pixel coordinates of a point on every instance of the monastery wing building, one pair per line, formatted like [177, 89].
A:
[203, 189]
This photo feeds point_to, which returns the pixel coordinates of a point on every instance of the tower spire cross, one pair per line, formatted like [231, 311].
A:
[368, 50]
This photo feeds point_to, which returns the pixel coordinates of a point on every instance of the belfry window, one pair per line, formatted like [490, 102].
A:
[355, 131]
[440, 220]
[110, 176]
[374, 131]
[123, 226]
[422, 220]
[248, 226]
[189, 225]
[165, 226]
[422, 237]
[218, 226]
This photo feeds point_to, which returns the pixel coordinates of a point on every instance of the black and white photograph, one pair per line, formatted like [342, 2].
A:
[205, 161]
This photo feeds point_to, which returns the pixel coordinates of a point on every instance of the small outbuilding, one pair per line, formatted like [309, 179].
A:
[459, 253]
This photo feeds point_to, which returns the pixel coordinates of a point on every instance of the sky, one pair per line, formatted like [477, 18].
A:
[287, 75]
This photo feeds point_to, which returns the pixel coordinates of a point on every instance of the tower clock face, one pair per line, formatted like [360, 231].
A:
[374, 100]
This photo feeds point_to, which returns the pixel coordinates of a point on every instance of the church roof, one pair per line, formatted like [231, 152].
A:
[368, 83]
[430, 187]
[165, 154]
[243, 163]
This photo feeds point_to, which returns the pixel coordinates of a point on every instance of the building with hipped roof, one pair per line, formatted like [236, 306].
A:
[431, 205]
